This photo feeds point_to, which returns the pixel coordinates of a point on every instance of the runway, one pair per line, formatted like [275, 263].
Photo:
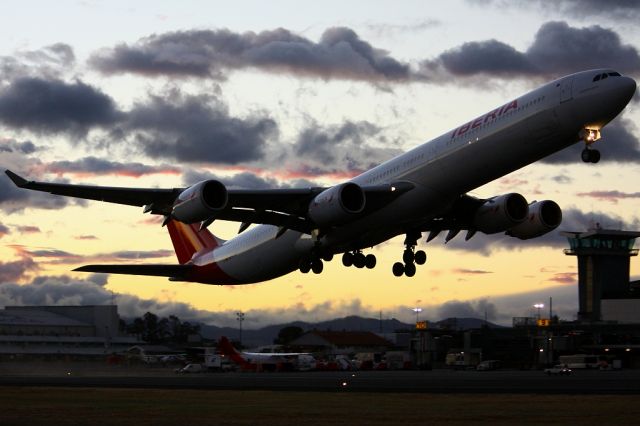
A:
[437, 381]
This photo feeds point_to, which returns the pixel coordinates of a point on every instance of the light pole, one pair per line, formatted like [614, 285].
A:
[240, 318]
[538, 306]
[417, 311]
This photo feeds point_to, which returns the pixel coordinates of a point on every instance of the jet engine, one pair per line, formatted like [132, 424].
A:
[200, 201]
[338, 204]
[501, 213]
[544, 216]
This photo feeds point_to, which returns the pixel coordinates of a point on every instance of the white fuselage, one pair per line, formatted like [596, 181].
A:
[499, 142]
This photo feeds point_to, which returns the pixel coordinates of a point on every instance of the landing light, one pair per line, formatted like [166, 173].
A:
[590, 135]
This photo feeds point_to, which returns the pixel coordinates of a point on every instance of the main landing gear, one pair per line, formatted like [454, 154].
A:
[359, 260]
[314, 263]
[410, 257]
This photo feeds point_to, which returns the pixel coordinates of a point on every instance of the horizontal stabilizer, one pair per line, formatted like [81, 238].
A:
[171, 271]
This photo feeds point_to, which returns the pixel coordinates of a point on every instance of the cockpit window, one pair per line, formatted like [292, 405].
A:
[604, 76]
[597, 77]
[614, 74]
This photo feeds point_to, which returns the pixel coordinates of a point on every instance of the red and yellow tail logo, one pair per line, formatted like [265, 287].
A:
[188, 239]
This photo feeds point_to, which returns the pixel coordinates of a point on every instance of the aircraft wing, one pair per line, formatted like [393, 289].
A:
[177, 272]
[281, 207]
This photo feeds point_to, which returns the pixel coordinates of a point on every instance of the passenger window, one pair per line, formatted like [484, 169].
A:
[597, 77]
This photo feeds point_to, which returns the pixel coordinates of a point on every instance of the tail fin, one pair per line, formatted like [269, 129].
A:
[226, 348]
[189, 239]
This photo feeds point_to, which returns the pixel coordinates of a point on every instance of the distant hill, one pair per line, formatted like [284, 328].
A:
[266, 335]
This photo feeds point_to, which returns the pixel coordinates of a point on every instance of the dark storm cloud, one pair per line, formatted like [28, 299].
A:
[345, 147]
[197, 129]
[245, 180]
[97, 166]
[340, 53]
[618, 144]
[572, 220]
[43, 106]
[557, 49]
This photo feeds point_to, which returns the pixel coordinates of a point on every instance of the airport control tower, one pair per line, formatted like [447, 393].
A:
[603, 268]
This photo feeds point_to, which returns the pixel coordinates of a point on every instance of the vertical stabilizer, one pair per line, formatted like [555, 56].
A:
[189, 239]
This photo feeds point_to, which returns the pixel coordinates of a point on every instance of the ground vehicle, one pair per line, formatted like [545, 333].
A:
[490, 364]
[558, 370]
[190, 368]
[579, 361]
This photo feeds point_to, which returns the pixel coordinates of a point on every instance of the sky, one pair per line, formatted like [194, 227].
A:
[293, 94]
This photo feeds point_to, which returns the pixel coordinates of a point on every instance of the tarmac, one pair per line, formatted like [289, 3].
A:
[581, 382]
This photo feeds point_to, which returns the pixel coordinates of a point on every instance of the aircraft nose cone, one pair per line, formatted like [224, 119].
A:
[628, 87]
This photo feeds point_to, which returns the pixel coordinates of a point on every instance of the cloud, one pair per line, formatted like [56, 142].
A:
[612, 196]
[16, 270]
[11, 145]
[564, 278]
[197, 129]
[557, 49]
[53, 106]
[92, 166]
[348, 147]
[464, 271]
[617, 10]
[85, 237]
[61, 257]
[50, 62]
[4, 230]
[340, 54]
[28, 229]
[469, 309]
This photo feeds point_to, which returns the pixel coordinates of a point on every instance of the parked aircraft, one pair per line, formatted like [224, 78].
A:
[421, 191]
[253, 361]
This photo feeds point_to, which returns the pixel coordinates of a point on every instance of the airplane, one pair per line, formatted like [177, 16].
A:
[254, 361]
[424, 190]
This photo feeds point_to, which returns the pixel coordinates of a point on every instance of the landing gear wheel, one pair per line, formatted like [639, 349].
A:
[590, 155]
[305, 266]
[370, 261]
[347, 259]
[420, 257]
[409, 269]
[328, 257]
[408, 256]
[398, 269]
[317, 266]
[359, 260]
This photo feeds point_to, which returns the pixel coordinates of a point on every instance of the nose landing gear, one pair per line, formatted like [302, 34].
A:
[590, 155]
[589, 136]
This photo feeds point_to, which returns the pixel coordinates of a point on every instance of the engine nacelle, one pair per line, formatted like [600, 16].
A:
[338, 204]
[200, 201]
[501, 213]
[544, 216]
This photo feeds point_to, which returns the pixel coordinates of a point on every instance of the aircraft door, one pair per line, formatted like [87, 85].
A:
[565, 89]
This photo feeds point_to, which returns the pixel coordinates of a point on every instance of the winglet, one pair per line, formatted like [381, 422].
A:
[19, 181]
